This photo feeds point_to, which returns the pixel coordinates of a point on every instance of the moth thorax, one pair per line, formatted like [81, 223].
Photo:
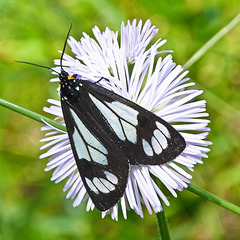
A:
[70, 89]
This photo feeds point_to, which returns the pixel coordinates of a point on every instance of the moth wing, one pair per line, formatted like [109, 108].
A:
[102, 165]
[146, 138]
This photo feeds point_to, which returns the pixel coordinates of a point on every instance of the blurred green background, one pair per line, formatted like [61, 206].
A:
[32, 207]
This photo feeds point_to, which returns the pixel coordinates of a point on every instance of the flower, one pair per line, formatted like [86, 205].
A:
[136, 71]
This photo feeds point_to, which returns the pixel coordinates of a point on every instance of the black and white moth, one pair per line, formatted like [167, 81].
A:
[108, 134]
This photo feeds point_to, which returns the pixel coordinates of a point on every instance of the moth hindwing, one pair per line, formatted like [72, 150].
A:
[108, 133]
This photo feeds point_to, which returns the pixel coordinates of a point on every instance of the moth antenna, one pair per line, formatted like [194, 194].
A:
[37, 65]
[65, 43]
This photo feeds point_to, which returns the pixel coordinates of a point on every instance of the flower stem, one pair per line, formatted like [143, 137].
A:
[213, 198]
[38, 117]
[161, 217]
[211, 42]
[163, 224]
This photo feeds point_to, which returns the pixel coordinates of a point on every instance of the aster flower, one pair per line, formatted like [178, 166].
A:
[137, 71]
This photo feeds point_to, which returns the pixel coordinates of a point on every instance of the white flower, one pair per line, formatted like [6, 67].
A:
[137, 72]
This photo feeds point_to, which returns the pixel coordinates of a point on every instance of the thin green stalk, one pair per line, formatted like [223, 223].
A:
[38, 117]
[219, 105]
[213, 198]
[213, 100]
[163, 224]
[211, 42]
[161, 217]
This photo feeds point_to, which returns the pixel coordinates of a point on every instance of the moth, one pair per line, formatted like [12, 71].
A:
[108, 134]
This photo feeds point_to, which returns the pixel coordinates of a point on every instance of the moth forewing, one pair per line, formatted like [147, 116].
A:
[145, 137]
[102, 165]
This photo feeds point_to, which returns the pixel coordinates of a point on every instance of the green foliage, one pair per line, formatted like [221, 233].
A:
[32, 207]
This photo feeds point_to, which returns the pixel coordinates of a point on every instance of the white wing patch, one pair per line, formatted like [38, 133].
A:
[130, 131]
[127, 113]
[158, 140]
[156, 146]
[91, 186]
[108, 185]
[80, 147]
[161, 138]
[111, 177]
[100, 186]
[89, 138]
[110, 116]
[122, 118]
[98, 156]
[163, 129]
[147, 148]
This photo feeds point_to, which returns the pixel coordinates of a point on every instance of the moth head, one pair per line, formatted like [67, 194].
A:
[63, 76]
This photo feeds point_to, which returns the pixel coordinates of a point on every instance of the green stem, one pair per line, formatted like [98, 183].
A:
[213, 198]
[161, 216]
[31, 114]
[163, 224]
[211, 42]
[219, 105]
